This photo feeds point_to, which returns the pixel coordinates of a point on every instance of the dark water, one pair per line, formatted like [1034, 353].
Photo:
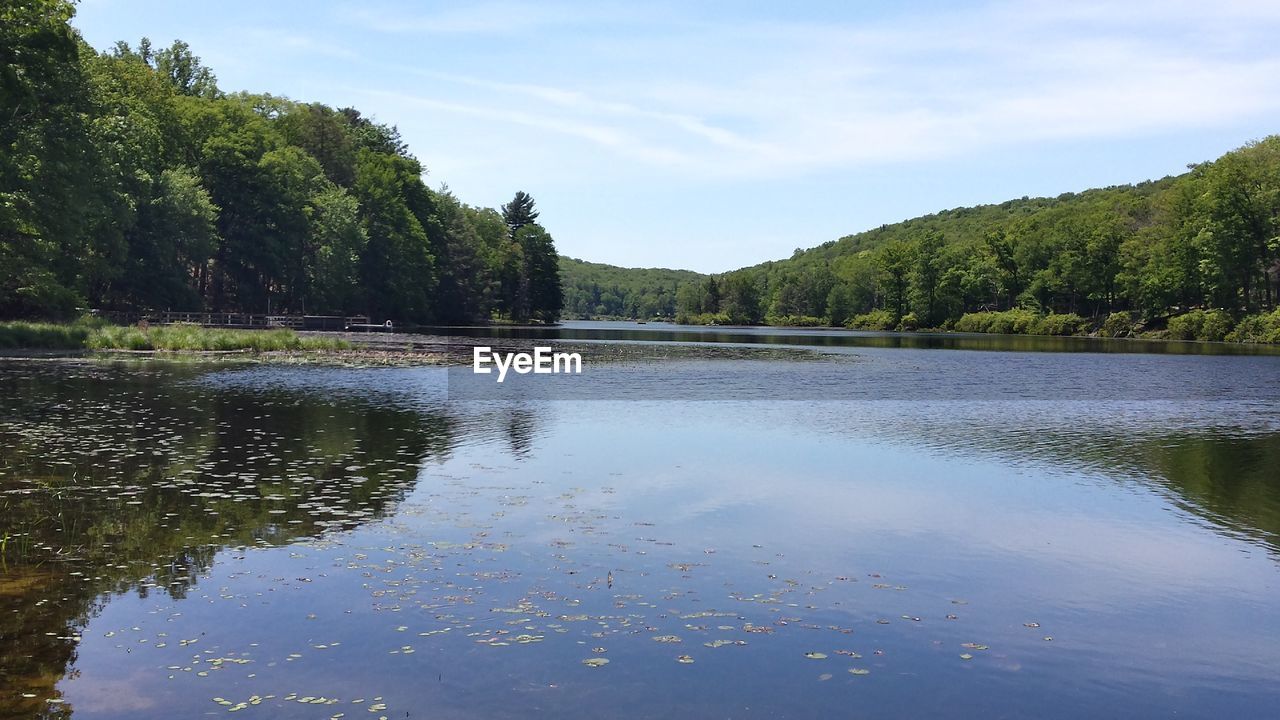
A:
[187, 541]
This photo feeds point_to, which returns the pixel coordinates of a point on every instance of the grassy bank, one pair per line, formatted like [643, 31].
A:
[90, 335]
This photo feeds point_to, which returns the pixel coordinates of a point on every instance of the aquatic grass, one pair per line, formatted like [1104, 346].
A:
[195, 338]
[93, 334]
[46, 336]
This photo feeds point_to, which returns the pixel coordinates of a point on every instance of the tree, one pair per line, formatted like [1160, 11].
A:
[398, 268]
[519, 212]
[183, 69]
[46, 163]
[336, 240]
[176, 238]
[895, 260]
[541, 294]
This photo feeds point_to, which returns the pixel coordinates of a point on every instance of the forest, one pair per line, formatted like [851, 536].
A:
[1196, 256]
[599, 291]
[129, 181]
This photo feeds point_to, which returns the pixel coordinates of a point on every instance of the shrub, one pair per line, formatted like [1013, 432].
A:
[1020, 321]
[1211, 325]
[1017, 321]
[703, 319]
[1117, 324]
[1217, 325]
[874, 320]
[1059, 324]
[909, 322]
[795, 321]
[1261, 328]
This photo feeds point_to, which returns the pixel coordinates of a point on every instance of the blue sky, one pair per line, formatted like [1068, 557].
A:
[720, 134]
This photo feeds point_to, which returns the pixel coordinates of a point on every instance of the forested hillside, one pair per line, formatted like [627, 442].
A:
[1204, 242]
[595, 290]
[130, 181]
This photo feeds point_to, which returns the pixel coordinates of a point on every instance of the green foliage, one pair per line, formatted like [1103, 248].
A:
[909, 322]
[703, 319]
[1117, 324]
[874, 320]
[1207, 325]
[1017, 321]
[45, 336]
[96, 335]
[1260, 328]
[1020, 321]
[519, 212]
[1060, 324]
[1207, 238]
[188, 338]
[541, 295]
[130, 181]
[796, 321]
[598, 290]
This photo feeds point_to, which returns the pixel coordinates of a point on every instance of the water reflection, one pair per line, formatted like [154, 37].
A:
[584, 525]
[609, 331]
[117, 479]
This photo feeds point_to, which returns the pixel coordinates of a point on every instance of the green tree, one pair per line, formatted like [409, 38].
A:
[519, 212]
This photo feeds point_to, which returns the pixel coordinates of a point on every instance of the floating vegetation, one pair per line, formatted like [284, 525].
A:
[376, 553]
[722, 643]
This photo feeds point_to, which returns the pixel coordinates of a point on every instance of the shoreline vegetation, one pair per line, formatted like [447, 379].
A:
[1195, 325]
[95, 337]
[88, 335]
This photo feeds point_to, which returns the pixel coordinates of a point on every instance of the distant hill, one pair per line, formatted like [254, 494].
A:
[596, 290]
[1206, 240]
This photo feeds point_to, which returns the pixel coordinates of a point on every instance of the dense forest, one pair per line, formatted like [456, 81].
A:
[130, 181]
[595, 290]
[1202, 248]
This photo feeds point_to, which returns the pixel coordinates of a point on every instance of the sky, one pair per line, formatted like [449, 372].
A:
[715, 135]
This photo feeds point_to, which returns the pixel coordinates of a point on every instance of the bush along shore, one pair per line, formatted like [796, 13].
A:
[91, 335]
[1198, 325]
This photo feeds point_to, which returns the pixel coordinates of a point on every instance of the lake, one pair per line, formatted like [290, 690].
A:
[707, 523]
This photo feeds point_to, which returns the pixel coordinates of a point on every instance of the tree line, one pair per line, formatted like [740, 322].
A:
[596, 290]
[130, 181]
[1207, 240]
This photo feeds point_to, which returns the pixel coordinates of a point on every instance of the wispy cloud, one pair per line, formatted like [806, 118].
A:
[760, 98]
[491, 18]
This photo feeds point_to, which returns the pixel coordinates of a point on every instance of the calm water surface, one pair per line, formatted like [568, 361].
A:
[876, 531]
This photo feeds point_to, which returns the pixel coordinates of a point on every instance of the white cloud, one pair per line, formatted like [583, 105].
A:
[754, 99]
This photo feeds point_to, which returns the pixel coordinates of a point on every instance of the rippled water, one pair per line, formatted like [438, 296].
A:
[880, 532]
